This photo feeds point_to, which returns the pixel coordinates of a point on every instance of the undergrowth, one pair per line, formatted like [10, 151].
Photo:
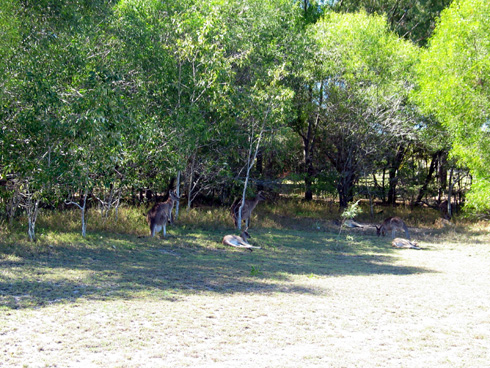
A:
[55, 227]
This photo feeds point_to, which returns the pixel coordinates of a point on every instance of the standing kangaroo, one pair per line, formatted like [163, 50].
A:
[161, 213]
[247, 208]
[392, 224]
[239, 241]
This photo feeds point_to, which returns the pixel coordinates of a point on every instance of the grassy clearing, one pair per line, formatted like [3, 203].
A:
[310, 297]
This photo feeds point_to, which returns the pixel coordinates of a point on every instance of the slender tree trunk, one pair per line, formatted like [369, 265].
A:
[177, 191]
[260, 168]
[191, 179]
[309, 140]
[428, 178]
[83, 208]
[13, 204]
[252, 155]
[393, 174]
[442, 172]
[117, 203]
[32, 208]
[450, 194]
[309, 175]
[392, 180]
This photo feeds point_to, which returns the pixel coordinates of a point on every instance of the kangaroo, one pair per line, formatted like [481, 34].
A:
[160, 214]
[392, 224]
[404, 243]
[247, 209]
[239, 241]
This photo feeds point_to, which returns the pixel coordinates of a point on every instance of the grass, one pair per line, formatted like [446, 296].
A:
[309, 297]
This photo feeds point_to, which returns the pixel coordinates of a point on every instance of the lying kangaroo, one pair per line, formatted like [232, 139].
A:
[392, 224]
[239, 241]
[247, 209]
[161, 213]
[404, 243]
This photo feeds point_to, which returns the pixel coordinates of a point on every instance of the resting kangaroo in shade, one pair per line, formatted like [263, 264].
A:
[161, 213]
[238, 241]
[247, 209]
[392, 224]
[404, 243]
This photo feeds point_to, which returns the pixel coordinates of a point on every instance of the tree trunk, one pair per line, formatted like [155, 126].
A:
[345, 188]
[442, 172]
[259, 166]
[428, 178]
[252, 156]
[309, 146]
[177, 191]
[393, 173]
[309, 179]
[83, 207]
[450, 194]
[191, 179]
[32, 208]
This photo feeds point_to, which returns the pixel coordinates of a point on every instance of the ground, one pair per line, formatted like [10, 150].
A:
[307, 299]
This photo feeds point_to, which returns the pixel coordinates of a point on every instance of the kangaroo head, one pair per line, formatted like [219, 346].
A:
[261, 196]
[378, 229]
[173, 195]
[245, 235]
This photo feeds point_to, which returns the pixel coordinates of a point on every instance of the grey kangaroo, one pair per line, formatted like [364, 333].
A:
[392, 224]
[160, 214]
[247, 208]
[238, 241]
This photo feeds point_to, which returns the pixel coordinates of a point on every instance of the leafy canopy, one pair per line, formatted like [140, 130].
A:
[454, 80]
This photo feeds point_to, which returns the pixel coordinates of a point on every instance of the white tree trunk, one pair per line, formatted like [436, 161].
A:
[250, 163]
[31, 206]
[82, 209]
[177, 191]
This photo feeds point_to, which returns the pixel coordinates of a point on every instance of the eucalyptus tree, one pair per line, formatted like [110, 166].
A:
[144, 35]
[202, 85]
[40, 71]
[265, 46]
[366, 73]
[65, 100]
[453, 77]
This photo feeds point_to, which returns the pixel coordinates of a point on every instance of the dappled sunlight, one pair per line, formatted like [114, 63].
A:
[105, 266]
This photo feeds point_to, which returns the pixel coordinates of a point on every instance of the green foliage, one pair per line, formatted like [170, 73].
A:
[412, 19]
[255, 271]
[103, 97]
[351, 211]
[359, 48]
[360, 78]
[453, 85]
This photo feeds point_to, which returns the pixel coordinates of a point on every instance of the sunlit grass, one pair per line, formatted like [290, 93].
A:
[55, 228]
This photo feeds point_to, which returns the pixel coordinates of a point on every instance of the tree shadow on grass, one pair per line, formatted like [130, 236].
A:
[122, 267]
